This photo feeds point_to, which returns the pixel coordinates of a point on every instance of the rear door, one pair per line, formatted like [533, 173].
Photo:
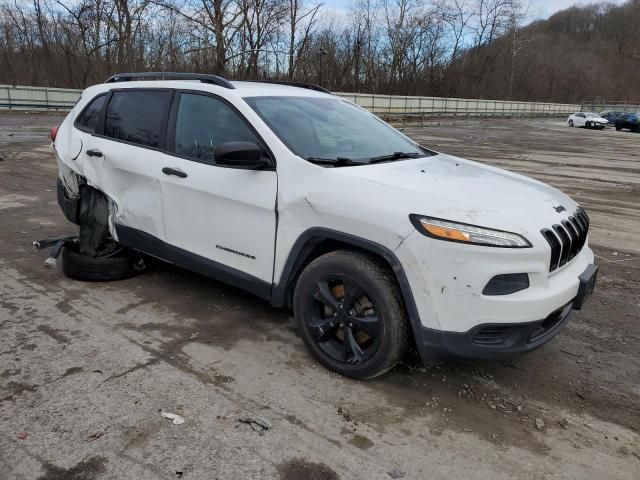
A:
[225, 215]
[124, 157]
[580, 120]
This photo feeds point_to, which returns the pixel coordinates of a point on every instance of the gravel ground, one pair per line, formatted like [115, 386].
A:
[86, 369]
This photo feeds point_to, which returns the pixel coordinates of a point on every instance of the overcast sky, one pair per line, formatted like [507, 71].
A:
[538, 9]
[545, 8]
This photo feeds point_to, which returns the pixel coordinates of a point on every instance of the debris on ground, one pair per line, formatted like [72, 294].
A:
[177, 419]
[395, 474]
[94, 436]
[259, 424]
[539, 423]
[346, 415]
[50, 263]
[22, 435]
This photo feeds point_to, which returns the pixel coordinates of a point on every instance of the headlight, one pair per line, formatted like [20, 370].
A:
[465, 233]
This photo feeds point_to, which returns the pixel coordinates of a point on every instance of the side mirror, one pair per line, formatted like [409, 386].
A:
[246, 155]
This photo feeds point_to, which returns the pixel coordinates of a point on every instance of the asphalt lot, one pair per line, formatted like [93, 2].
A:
[86, 369]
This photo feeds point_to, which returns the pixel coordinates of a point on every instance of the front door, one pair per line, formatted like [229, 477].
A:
[225, 215]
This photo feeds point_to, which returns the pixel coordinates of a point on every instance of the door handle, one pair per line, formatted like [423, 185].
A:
[174, 171]
[94, 153]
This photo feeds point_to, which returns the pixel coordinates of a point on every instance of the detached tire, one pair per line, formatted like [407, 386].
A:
[123, 264]
[350, 314]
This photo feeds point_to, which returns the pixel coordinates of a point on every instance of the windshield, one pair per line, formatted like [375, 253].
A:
[332, 129]
[592, 115]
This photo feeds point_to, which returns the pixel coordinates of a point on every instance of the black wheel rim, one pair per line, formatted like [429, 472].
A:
[343, 319]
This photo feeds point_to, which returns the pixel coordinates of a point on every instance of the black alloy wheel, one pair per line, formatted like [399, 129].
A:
[350, 314]
[343, 319]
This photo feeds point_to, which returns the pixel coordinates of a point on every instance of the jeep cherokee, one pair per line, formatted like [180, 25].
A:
[307, 200]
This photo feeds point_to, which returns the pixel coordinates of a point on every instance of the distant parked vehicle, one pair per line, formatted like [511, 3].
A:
[612, 115]
[630, 121]
[588, 120]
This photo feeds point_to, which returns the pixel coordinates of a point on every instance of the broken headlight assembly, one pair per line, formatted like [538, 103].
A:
[465, 233]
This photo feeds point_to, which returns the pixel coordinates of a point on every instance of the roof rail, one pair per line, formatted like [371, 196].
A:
[203, 77]
[309, 86]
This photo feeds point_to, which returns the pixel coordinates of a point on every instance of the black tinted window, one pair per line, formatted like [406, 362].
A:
[137, 116]
[203, 122]
[88, 119]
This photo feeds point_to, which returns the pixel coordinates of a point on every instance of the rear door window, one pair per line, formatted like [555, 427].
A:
[138, 116]
[87, 121]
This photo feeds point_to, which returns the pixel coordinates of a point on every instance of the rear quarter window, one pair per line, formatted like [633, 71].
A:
[87, 121]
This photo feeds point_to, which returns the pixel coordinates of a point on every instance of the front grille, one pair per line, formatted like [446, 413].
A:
[567, 238]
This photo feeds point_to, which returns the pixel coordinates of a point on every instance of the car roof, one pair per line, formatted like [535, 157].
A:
[265, 89]
[242, 88]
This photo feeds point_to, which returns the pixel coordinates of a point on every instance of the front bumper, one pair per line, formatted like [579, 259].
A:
[496, 341]
[490, 341]
[453, 314]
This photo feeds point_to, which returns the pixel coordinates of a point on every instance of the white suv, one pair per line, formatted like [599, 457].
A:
[310, 202]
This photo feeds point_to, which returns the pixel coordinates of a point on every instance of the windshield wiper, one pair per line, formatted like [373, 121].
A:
[395, 156]
[336, 162]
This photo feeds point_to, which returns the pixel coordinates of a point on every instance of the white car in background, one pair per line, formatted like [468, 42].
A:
[588, 120]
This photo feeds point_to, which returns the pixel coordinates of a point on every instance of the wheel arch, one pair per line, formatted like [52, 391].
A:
[317, 241]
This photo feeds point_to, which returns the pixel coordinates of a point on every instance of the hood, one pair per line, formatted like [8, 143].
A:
[466, 191]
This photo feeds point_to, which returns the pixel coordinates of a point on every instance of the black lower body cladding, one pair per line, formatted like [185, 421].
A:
[491, 341]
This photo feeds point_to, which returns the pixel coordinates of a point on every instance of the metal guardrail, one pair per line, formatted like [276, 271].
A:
[603, 105]
[396, 104]
[63, 99]
[37, 98]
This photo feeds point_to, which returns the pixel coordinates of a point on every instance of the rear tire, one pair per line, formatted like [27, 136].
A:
[571, 123]
[124, 263]
[366, 332]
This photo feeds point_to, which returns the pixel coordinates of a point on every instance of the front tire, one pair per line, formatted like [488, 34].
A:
[350, 314]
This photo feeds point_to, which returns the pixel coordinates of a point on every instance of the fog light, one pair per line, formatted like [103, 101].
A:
[506, 283]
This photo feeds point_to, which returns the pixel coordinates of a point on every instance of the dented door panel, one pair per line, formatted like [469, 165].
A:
[130, 176]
